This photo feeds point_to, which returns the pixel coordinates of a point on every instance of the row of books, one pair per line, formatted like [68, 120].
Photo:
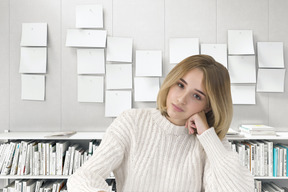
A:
[43, 158]
[262, 157]
[32, 185]
[268, 187]
[257, 130]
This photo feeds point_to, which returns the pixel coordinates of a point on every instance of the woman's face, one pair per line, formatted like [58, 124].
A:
[186, 98]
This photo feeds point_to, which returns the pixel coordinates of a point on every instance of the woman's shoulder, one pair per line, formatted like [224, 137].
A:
[130, 122]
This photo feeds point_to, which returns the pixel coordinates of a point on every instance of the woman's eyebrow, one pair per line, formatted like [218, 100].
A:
[200, 92]
[183, 81]
[195, 89]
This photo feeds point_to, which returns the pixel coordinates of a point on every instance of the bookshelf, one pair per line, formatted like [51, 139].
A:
[280, 137]
[85, 137]
[81, 138]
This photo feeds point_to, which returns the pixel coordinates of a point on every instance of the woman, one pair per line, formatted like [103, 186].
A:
[180, 146]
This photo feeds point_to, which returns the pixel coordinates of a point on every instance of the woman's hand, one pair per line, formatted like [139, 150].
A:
[197, 123]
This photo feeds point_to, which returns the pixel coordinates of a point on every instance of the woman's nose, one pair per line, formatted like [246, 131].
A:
[182, 99]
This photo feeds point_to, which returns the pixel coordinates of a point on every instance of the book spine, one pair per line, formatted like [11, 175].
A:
[284, 162]
[280, 167]
[275, 161]
[270, 158]
[14, 167]
[71, 160]
[48, 146]
[27, 160]
[265, 159]
[3, 155]
[66, 163]
[31, 158]
[75, 160]
[90, 149]
[24, 186]
[22, 158]
[37, 163]
[252, 160]
[43, 159]
[59, 148]
[257, 160]
[248, 158]
[40, 149]
[53, 163]
[8, 164]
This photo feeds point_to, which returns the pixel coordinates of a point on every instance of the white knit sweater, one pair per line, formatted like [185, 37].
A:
[147, 152]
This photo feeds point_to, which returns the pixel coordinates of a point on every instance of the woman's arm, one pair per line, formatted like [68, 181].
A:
[108, 157]
[91, 177]
[223, 171]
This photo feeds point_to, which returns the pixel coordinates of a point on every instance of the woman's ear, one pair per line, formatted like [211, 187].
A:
[207, 109]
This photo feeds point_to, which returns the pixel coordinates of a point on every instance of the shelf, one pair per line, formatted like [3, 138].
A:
[258, 177]
[99, 135]
[38, 177]
[279, 136]
[34, 177]
[47, 136]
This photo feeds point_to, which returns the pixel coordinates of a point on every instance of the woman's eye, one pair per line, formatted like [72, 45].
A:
[180, 85]
[197, 96]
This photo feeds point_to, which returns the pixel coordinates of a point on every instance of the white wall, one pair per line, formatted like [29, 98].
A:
[150, 23]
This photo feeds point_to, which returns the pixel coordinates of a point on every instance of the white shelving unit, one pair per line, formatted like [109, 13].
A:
[47, 136]
[86, 136]
[281, 137]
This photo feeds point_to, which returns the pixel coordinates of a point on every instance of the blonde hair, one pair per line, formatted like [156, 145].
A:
[216, 81]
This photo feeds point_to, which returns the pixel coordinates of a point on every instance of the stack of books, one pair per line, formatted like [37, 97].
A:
[257, 130]
[268, 186]
[232, 133]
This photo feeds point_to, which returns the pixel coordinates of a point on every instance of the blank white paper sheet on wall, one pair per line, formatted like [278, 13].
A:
[90, 88]
[119, 76]
[119, 49]
[181, 48]
[270, 54]
[90, 61]
[146, 89]
[270, 80]
[116, 102]
[86, 38]
[33, 60]
[148, 63]
[243, 94]
[242, 69]
[34, 34]
[33, 87]
[217, 51]
[89, 16]
[240, 42]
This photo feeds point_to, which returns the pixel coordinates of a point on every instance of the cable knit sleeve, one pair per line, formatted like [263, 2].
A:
[223, 171]
[108, 156]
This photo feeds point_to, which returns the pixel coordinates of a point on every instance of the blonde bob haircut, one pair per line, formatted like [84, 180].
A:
[216, 81]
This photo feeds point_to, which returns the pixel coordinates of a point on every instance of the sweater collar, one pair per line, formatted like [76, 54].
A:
[166, 125]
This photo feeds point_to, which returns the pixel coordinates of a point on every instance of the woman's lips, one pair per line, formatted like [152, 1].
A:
[176, 108]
